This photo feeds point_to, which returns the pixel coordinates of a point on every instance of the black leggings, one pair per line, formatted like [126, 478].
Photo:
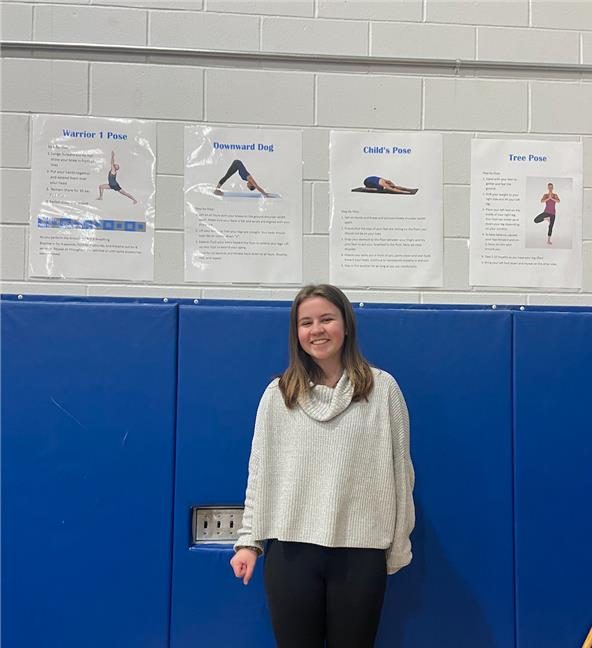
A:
[237, 165]
[323, 593]
[541, 217]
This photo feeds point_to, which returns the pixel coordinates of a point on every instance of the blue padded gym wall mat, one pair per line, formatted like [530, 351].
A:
[553, 360]
[96, 552]
[454, 370]
[88, 424]
[227, 356]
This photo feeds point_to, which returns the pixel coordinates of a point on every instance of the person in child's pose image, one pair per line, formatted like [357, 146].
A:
[330, 483]
[376, 183]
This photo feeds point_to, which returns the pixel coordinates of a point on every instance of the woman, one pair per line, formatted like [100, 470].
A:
[238, 167]
[549, 214]
[383, 185]
[330, 483]
[112, 182]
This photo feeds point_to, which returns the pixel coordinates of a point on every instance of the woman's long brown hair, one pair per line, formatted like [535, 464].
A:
[295, 381]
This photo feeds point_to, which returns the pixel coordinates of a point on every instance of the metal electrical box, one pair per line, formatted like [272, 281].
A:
[216, 524]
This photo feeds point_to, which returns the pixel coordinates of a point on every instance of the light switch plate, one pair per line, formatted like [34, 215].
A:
[216, 524]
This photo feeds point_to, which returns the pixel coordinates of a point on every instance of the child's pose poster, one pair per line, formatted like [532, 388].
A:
[243, 205]
[92, 198]
[386, 209]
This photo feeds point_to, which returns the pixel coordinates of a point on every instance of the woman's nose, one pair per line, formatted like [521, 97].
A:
[317, 326]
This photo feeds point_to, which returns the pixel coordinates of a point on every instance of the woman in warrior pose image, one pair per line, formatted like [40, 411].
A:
[386, 186]
[237, 165]
[329, 493]
[550, 199]
[112, 182]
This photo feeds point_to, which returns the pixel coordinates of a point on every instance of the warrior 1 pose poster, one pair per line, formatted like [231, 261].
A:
[92, 198]
[386, 209]
[243, 205]
[526, 214]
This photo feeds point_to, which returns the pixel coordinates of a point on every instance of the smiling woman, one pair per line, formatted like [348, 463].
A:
[321, 331]
[323, 314]
[330, 424]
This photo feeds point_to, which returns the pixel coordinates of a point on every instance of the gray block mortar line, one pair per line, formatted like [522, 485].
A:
[88, 87]
[530, 13]
[260, 33]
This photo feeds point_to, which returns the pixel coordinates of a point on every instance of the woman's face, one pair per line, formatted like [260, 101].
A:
[321, 330]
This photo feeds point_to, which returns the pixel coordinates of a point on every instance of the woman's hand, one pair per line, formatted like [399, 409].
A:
[243, 564]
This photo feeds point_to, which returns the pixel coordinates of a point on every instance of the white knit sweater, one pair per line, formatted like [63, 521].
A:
[332, 472]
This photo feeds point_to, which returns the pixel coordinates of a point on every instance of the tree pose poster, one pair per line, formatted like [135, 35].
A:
[526, 214]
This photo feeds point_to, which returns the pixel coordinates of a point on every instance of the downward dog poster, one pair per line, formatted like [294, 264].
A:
[386, 209]
[526, 213]
[243, 205]
[92, 198]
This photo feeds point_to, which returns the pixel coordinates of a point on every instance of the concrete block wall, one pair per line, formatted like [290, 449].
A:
[313, 97]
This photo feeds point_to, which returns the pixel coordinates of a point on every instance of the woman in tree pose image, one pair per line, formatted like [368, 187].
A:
[550, 199]
[330, 483]
[112, 182]
[238, 166]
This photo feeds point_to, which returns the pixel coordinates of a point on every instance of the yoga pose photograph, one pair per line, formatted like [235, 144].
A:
[112, 182]
[238, 167]
[376, 184]
[550, 199]
[329, 498]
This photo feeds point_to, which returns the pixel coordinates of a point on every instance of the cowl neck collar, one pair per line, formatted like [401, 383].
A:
[323, 403]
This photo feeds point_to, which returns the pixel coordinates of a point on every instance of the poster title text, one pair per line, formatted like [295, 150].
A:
[531, 157]
[386, 150]
[109, 135]
[268, 148]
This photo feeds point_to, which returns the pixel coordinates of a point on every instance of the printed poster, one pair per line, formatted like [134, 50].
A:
[92, 198]
[526, 214]
[386, 209]
[243, 205]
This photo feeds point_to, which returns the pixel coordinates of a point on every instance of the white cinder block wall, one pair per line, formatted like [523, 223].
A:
[315, 97]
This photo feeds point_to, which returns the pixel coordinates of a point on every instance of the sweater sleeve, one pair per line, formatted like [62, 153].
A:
[245, 534]
[399, 553]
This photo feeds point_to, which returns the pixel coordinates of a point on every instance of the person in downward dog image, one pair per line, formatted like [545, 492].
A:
[238, 167]
[112, 182]
[376, 184]
[550, 199]
[330, 485]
